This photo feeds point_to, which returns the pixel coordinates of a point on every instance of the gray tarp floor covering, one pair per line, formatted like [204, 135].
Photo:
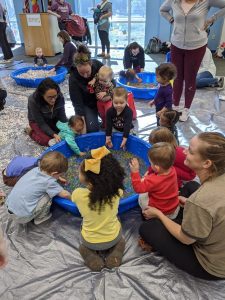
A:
[44, 262]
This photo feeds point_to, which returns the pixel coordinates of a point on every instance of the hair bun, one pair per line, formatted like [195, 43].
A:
[83, 49]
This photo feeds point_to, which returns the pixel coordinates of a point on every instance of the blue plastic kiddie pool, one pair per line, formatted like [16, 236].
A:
[141, 93]
[33, 83]
[94, 140]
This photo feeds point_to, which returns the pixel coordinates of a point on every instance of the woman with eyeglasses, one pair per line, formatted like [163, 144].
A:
[46, 106]
[82, 94]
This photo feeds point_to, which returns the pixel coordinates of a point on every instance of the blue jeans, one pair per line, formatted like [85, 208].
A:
[205, 79]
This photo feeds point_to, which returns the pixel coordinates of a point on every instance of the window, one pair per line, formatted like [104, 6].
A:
[11, 18]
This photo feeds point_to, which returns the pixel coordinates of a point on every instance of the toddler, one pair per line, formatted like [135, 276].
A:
[98, 203]
[3, 95]
[184, 173]
[68, 131]
[31, 197]
[130, 75]
[161, 184]
[119, 117]
[163, 99]
[168, 119]
[103, 88]
[39, 59]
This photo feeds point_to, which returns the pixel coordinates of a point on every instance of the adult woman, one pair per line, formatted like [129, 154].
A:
[7, 52]
[134, 57]
[189, 39]
[62, 10]
[197, 245]
[45, 109]
[81, 94]
[68, 52]
[103, 27]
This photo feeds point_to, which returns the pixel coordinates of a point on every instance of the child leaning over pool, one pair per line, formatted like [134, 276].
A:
[163, 99]
[161, 185]
[31, 197]
[68, 131]
[119, 117]
[98, 205]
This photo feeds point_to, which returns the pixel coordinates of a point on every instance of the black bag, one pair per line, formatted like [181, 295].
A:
[154, 46]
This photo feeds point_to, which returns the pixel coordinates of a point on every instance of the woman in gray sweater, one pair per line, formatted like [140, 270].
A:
[188, 42]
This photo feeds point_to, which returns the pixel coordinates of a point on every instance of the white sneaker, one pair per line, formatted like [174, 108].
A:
[185, 115]
[6, 61]
[177, 108]
[221, 83]
[52, 142]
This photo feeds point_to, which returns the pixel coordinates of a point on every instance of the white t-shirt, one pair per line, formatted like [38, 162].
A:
[207, 63]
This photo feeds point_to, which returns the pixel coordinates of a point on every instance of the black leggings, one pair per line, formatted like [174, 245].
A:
[3, 95]
[104, 38]
[6, 50]
[181, 255]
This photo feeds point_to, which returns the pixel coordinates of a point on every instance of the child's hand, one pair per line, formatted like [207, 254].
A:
[36, 65]
[123, 144]
[139, 79]
[151, 103]
[134, 165]
[101, 95]
[62, 180]
[92, 82]
[108, 142]
[57, 138]
[82, 153]
[45, 66]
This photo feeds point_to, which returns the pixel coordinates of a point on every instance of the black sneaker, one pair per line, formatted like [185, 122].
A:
[221, 83]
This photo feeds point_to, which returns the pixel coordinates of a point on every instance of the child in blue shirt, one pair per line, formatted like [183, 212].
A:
[163, 99]
[31, 197]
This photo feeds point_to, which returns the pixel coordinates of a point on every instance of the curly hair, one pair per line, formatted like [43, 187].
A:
[82, 56]
[167, 71]
[170, 117]
[106, 184]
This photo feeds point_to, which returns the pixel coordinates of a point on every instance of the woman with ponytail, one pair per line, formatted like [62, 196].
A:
[82, 94]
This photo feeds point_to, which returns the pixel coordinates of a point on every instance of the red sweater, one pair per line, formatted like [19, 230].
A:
[162, 190]
[184, 173]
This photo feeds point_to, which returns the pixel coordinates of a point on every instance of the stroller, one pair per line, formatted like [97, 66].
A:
[78, 29]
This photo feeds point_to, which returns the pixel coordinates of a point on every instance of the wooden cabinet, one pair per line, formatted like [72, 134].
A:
[40, 30]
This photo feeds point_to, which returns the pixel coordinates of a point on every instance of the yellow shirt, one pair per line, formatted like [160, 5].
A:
[97, 228]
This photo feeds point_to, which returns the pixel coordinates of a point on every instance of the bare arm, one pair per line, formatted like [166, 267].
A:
[65, 194]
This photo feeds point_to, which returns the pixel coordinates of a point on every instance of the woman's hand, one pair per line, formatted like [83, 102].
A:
[207, 24]
[57, 138]
[134, 165]
[151, 212]
[182, 200]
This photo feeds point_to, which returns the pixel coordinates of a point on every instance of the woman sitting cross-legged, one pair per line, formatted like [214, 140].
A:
[197, 245]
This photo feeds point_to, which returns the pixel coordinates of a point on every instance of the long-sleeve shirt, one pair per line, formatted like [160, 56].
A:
[207, 63]
[40, 61]
[121, 122]
[68, 53]
[163, 97]
[80, 94]
[134, 61]
[64, 10]
[188, 32]
[45, 117]
[162, 190]
[67, 134]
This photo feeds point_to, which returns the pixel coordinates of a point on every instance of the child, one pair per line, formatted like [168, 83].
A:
[39, 59]
[184, 173]
[103, 88]
[68, 131]
[130, 75]
[3, 95]
[119, 117]
[161, 185]
[31, 197]
[3, 251]
[163, 99]
[169, 119]
[98, 205]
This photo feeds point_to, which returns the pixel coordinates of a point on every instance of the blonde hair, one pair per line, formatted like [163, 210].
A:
[54, 162]
[213, 148]
[38, 48]
[162, 154]
[120, 92]
[106, 71]
[162, 134]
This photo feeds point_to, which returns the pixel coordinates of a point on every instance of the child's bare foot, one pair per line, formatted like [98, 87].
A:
[144, 246]
[2, 197]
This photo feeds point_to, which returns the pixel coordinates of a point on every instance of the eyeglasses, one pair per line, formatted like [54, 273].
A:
[52, 97]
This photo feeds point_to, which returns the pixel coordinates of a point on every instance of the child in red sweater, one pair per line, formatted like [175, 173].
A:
[161, 184]
[184, 173]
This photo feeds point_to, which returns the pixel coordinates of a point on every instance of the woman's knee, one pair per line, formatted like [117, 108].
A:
[151, 230]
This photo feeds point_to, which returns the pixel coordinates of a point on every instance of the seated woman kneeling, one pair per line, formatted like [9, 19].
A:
[197, 245]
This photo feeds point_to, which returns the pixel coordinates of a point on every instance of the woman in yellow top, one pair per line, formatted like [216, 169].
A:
[98, 205]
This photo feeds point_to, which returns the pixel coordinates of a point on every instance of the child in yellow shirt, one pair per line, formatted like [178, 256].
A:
[98, 205]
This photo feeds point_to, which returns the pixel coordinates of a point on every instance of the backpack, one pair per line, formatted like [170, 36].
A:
[154, 46]
[17, 167]
[76, 26]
